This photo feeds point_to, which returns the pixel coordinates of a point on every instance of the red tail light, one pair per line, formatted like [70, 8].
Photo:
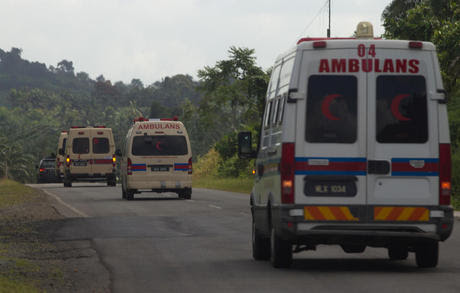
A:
[42, 170]
[445, 166]
[129, 167]
[190, 167]
[67, 161]
[287, 172]
[114, 160]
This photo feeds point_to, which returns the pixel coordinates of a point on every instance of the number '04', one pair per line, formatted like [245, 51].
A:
[362, 50]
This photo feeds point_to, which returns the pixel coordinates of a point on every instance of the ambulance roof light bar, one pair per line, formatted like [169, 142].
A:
[364, 30]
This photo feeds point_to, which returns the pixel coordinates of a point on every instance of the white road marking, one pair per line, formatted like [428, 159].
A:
[214, 206]
[78, 212]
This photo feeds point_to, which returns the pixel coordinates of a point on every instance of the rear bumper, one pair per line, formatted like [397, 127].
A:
[159, 185]
[365, 231]
[90, 177]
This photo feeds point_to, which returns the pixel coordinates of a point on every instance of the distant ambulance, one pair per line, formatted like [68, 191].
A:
[354, 151]
[60, 158]
[90, 155]
[156, 156]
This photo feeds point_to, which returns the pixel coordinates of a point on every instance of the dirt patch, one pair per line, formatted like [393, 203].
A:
[29, 255]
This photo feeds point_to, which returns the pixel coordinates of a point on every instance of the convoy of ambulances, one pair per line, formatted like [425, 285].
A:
[60, 159]
[89, 155]
[156, 156]
[354, 151]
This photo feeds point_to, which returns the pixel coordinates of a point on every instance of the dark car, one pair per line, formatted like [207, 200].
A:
[47, 171]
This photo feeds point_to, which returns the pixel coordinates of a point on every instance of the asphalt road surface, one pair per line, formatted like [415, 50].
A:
[158, 243]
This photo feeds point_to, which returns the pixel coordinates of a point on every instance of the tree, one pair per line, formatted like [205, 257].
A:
[65, 66]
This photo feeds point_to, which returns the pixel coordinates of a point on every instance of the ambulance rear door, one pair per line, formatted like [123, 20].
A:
[102, 146]
[330, 144]
[402, 146]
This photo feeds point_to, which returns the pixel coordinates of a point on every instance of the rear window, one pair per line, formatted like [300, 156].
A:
[64, 141]
[401, 109]
[80, 145]
[160, 145]
[331, 109]
[47, 164]
[100, 145]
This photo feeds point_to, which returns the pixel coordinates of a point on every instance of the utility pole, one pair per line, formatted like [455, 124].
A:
[329, 28]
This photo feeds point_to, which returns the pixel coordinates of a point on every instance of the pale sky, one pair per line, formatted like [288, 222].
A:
[152, 39]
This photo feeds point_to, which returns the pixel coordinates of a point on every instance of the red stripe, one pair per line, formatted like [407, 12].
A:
[317, 215]
[394, 214]
[181, 167]
[338, 213]
[416, 214]
[406, 167]
[139, 167]
[333, 166]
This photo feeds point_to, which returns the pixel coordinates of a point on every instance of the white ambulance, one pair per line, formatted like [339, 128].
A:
[354, 151]
[60, 158]
[156, 156]
[90, 155]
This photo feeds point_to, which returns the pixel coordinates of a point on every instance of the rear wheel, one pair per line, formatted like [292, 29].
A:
[280, 251]
[129, 194]
[260, 244]
[67, 182]
[398, 253]
[426, 254]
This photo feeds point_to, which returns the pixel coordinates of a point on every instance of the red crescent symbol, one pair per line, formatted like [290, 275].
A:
[395, 107]
[158, 146]
[326, 104]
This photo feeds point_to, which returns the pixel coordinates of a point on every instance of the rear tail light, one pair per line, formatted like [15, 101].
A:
[114, 160]
[129, 168]
[67, 161]
[445, 166]
[42, 170]
[287, 172]
[190, 167]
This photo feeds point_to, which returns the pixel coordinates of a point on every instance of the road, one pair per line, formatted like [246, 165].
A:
[158, 243]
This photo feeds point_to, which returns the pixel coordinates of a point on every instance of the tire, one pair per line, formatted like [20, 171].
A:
[260, 244]
[427, 254]
[280, 251]
[111, 183]
[123, 192]
[188, 193]
[67, 182]
[129, 194]
[398, 253]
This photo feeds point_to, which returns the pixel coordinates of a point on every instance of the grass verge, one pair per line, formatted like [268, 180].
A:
[241, 185]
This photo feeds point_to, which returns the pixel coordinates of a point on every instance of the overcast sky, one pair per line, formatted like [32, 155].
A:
[152, 39]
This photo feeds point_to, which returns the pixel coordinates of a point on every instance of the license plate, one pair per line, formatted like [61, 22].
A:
[79, 163]
[330, 186]
[159, 168]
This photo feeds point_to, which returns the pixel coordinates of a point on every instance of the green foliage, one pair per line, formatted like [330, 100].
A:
[437, 21]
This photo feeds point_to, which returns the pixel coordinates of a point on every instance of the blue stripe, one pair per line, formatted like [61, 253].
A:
[180, 164]
[396, 173]
[406, 160]
[305, 159]
[138, 165]
[356, 173]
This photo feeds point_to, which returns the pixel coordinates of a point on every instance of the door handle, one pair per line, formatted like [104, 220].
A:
[381, 167]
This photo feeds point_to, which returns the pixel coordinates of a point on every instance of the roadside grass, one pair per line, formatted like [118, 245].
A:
[17, 272]
[241, 185]
[13, 193]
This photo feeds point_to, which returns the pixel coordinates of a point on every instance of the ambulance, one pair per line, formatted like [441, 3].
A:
[156, 157]
[89, 155]
[60, 158]
[354, 151]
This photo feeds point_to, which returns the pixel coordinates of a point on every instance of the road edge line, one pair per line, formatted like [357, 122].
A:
[60, 201]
